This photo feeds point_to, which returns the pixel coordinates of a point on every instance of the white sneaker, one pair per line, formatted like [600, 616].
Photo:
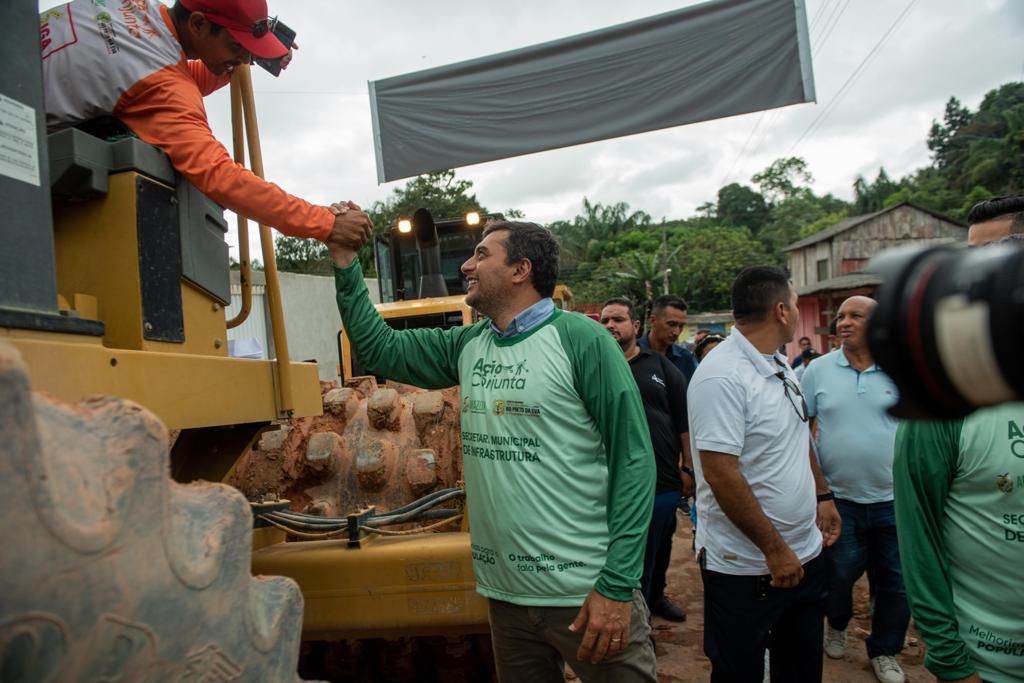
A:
[887, 669]
[835, 642]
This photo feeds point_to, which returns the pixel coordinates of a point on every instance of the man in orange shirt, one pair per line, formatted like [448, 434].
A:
[150, 66]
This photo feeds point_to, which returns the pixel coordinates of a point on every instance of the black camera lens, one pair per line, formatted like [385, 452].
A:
[949, 326]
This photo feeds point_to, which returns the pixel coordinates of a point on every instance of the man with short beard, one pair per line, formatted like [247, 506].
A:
[667, 320]
[663, 391]
[556, 455]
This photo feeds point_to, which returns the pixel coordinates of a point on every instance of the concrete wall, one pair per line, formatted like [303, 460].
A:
[311, 320]
[310, 317]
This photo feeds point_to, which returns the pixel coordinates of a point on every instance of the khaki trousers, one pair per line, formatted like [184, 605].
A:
[532, 645]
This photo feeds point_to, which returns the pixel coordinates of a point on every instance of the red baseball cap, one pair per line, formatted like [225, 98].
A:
[246, 21]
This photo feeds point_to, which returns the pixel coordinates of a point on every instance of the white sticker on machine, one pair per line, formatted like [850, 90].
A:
[19, 153]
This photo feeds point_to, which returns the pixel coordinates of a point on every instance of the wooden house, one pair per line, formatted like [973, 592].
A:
[827, 267]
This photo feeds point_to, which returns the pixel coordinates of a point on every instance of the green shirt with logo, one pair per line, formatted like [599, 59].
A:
[959, 495]
[557, 459]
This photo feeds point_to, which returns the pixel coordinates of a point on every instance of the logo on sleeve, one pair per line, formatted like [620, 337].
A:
[1004, 482]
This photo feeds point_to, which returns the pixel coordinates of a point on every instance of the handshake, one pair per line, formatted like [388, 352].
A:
[352, 229]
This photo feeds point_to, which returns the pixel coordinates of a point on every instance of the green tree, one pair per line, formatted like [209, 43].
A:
[300, 255]
[792, 204]
[704, 260]
[870, 197]
[928, 187]
[823, 223]
[791, 216]
[741, 206]
[940, 137]
[707, 260]
[581, 238]
[644, 272]
[982, 151]
[441, 193]
[784, 179]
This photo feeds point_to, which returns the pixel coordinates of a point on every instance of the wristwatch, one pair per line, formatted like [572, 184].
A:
[689, 471]
[828, 495]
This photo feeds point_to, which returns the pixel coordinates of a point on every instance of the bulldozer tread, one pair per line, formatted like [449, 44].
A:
[111, 572]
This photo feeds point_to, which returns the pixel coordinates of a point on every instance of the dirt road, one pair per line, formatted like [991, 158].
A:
[680, 649]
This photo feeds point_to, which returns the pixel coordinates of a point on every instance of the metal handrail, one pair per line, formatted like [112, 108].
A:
[243, 77]
[244, 264]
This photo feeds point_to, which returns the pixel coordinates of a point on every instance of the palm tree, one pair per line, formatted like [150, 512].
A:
[597, 223]
[643, 271]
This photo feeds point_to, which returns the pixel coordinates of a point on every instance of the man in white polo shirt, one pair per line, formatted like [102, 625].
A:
[847, 398]
[758, 540]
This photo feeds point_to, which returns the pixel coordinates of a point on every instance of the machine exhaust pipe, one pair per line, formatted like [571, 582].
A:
[431, 282]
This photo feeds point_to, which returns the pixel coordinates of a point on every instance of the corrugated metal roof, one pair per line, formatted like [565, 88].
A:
[854, 221]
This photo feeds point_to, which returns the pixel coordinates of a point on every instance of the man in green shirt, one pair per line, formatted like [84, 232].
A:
[557, 457]
[959, 497]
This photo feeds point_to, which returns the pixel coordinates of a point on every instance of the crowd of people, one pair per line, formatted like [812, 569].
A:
[802, 481]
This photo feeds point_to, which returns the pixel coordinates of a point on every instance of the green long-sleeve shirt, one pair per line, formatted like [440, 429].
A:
[557, 458]
[959, 495]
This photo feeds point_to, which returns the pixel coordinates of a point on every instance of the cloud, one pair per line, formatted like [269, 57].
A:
[317, 139]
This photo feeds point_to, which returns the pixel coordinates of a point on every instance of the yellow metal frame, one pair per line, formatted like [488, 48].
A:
[416, 585]
[97, 246]
[183, 390]
[408, 309]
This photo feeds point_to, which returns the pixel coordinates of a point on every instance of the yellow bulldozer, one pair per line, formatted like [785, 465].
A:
[126, 558]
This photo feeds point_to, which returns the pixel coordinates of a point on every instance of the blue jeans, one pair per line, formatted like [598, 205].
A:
[659, 545]
[868, 542]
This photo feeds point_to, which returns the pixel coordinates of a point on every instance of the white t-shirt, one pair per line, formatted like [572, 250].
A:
[738, 406]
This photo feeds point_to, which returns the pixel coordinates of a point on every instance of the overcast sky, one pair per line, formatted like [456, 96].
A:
[315, 118]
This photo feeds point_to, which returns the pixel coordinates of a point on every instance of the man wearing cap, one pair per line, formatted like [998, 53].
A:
[150, 66]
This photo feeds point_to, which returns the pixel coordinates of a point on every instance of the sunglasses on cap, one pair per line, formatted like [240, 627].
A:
[262, 28]
[258, 29]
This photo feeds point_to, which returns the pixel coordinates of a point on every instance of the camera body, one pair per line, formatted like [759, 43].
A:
[949, 327]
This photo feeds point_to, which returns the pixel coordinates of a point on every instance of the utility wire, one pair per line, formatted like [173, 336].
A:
[845, 88]
[822, 10]
[827, 31]
[819, 13]
[743, 149]
[822, 14]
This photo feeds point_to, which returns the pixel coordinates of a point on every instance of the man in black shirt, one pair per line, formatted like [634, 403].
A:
[663, 391]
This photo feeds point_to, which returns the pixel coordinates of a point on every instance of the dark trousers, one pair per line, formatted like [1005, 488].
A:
[659, 546]
[743, 615]
[868, 542]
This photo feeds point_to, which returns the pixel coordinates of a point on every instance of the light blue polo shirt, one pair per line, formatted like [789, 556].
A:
[856, 437]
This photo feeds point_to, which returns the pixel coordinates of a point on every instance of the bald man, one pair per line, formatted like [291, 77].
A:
[847, 397]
